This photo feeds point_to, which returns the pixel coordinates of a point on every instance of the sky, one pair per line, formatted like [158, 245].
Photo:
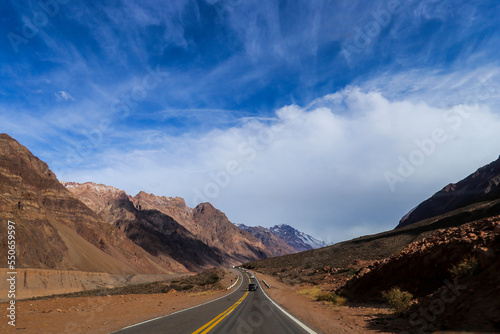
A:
[335, 117]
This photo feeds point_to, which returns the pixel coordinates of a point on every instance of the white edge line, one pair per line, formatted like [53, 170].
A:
[186, 309]
[297, 321]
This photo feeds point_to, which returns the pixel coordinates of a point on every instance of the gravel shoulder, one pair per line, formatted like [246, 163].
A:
[102, 314]
[323, 316]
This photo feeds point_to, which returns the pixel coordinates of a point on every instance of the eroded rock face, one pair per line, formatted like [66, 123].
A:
[165, 226]
[241, 246]
[426, 269]
[56, 230]
[422, 266]
[483, 185]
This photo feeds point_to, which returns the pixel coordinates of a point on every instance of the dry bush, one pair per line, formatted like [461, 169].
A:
[320, 295]
[467, 266]
[398, 300]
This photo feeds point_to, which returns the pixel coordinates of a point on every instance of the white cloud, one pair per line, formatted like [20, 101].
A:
[319, 168]
[63, 96]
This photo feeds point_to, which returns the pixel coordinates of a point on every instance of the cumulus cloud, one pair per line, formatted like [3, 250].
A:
[353, 158]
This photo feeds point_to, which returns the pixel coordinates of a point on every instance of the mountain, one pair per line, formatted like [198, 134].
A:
[273, 243]
[209, 225]
[55, 230]
[481, 186]
[300, 241]
[164, 226]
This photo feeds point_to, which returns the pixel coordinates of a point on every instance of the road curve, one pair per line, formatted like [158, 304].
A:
[240, 312]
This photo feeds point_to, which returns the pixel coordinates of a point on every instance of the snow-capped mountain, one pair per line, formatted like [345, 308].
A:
[284, 238]
[295, 238]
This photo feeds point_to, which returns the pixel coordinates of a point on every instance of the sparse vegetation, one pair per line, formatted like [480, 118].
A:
[348, 271]
[205, 281]
[313, 291]
[398, 300]
[332, 298]
[467, 266]
[317, 294]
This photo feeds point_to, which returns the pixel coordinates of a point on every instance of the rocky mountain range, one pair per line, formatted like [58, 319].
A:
[55, 230]
[275, 244]
[481, 186]
[283, 239]
[164, 226]
[97, 228]
[297, 239]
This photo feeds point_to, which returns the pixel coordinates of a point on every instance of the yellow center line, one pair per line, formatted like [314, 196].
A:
[212, 323]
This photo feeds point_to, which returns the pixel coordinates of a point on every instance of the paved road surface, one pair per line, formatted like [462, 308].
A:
[240, 312]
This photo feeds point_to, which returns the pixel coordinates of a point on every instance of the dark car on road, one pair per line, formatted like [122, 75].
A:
[252, 287]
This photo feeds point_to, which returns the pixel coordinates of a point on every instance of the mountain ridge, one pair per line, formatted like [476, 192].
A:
[482, 185]
[144, 217]
[61, 231]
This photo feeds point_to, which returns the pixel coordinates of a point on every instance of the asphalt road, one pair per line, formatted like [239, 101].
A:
[240, 312]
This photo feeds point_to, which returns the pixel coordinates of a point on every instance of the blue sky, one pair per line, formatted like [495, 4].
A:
[336, 117]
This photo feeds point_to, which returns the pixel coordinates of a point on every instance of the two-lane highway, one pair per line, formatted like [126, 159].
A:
[241, 311]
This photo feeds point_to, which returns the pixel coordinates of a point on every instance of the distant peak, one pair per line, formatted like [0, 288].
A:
[6, 137]
[205, 205]
[98, 187]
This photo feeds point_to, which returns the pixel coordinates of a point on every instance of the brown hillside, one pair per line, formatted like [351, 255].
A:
[453, 273]
[481, 186]
[350, 255]
[241, 246]
[55, 230]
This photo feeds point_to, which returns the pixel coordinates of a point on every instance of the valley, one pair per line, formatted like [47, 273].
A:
[116, 253]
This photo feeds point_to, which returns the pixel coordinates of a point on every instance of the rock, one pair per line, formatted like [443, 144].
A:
[485, 256]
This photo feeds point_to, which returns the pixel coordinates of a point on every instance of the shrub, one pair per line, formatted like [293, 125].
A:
[316, 293]
[332, 298]
[467, 266]
[397, 299]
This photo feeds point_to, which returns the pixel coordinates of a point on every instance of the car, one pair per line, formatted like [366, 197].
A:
[252, 276]
[252, 287]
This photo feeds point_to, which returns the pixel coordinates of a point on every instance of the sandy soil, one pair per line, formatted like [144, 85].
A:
[44, 282]
[109, 313]
[323, 316]
[100, 314]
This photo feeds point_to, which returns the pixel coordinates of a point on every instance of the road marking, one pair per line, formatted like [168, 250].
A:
[212, 323]
[184, 310]
[297, 321]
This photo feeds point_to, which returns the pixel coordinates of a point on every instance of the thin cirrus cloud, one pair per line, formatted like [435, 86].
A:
[311, 107]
